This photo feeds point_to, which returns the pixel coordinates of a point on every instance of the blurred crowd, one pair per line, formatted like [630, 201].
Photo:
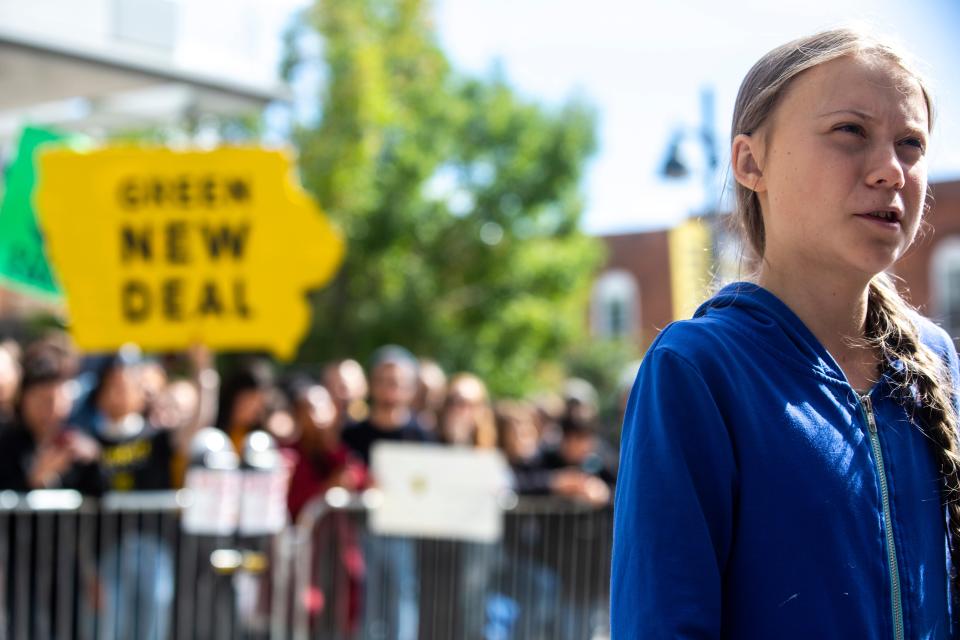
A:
[124, 422]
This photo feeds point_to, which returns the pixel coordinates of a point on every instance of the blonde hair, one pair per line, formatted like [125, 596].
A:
[472, 389]
[890, 328]
[766, 83]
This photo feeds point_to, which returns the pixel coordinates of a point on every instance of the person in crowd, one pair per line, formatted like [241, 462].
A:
[580, 466]
[323, 461]
[550, 408]
[583, 469]
[137, 455]
[9, 381]
[175, 405]
[790, 454]
[38, 450]
[431, 393]
[393, 376]
[347, 384]
[392, 585]
[517, 433]
[459, 600]
[279, 420]
[533, 584]
[244, 399]
[583, 466]
[466, 417]
[580, 399]
[519, 439]
[153, 380]
[186, 404]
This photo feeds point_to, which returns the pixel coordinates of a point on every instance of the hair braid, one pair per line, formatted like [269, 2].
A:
[926, 379]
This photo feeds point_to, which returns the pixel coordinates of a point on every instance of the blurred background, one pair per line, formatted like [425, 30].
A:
[506, 173]
[519, 183]
[528, 190]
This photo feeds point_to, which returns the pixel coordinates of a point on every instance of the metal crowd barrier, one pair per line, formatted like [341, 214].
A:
[548, 578]
[122, 568]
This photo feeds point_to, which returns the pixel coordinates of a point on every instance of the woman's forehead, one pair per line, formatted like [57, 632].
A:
[868, 87]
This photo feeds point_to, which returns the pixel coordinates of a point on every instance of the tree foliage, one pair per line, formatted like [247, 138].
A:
[458, 199]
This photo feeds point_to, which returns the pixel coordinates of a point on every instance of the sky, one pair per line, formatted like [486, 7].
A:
[644, 64]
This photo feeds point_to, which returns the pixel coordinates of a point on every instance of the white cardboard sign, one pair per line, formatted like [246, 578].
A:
[438, 491]
[214, 508]
[263, 505]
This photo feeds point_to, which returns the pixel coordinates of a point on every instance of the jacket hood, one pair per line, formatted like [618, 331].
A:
[751, 309]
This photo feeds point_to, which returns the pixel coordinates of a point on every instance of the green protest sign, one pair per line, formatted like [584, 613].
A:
[23, 263]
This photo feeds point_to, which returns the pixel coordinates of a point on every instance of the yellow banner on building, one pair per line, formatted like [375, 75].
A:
[691, 262]
[166, 248]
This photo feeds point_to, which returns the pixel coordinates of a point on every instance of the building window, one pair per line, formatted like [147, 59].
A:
[615, 305]
[945, 280]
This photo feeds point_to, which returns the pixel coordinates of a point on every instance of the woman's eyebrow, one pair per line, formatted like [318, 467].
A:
[911, 124]
[855, 112]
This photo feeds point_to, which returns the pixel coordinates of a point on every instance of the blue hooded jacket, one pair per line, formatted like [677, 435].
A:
[755, 501]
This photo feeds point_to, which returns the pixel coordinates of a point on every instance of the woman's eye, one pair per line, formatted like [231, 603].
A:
[852, 128]
[914, 142]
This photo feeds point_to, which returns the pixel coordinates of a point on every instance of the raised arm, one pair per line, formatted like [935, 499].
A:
[206, 380]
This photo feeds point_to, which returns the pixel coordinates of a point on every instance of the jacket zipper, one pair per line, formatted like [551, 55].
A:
[867, 407]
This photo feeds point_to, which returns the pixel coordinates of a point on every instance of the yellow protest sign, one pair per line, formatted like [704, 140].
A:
[691, 261]
[167, 248]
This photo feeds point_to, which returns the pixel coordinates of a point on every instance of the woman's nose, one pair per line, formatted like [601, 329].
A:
[885, 169]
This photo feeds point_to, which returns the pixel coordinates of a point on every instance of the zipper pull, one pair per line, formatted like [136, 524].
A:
[868, 407]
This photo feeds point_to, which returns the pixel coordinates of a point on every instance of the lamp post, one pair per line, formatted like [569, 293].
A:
[676, 167]
[722, 248]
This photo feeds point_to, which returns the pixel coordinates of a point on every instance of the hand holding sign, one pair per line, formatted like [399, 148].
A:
[166, 249]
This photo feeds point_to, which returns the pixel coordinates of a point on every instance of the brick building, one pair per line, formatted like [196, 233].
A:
[931, 269]
[633, 295]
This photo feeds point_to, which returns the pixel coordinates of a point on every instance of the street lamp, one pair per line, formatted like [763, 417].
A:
[676, 167]
[724, 246]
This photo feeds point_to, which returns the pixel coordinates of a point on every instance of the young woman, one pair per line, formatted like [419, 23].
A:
[322, 460]
[789, 455]
[39, 450]
[466, 417]
[244, 400]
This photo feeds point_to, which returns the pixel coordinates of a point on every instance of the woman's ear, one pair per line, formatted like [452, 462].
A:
[746, 161]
